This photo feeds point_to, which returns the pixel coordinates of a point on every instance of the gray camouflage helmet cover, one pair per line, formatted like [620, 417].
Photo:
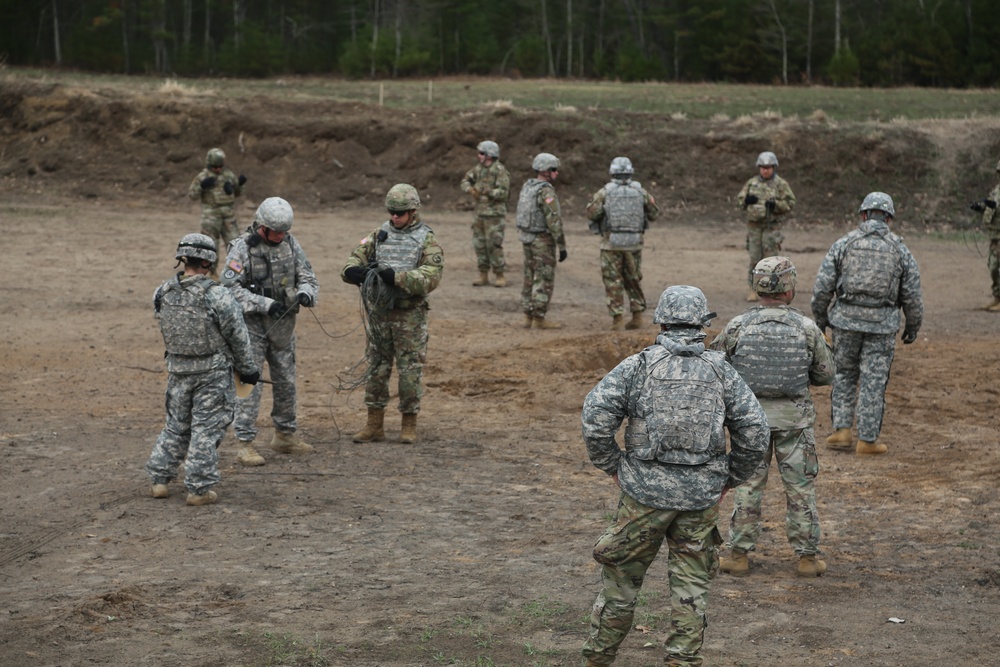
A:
[774, 275]
[402, 197]
[683, 305]
[545, 162]
[215, 158]
[274, 213]
[199, 246]
[767, 159]
[489, 148]
[878, 201]
[621, 165]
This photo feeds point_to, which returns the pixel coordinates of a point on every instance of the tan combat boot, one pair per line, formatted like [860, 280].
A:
[247, 455]
[160, 491]
[207, 498]
[752, 296]
[995, 308]
[542, 323]
[617, 323]
[736, 564]
[483, 279]
[840, 439]
[993, 303]
[409, 433]
[810, 566]
[636, 321]
[287, 443]
[866, 448]
[374, 430]
[501, 280]
[528, 320]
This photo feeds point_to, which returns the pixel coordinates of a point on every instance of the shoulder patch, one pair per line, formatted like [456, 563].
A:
[549, 200]
[364, 240]
[229, 274]
[235, 266]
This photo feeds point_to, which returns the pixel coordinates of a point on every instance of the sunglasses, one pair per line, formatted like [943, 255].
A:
[398, 213]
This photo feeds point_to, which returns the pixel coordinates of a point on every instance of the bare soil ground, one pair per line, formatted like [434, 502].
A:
[471, 547]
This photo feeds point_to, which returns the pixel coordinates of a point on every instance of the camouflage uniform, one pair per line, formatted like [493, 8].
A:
[864, 332]
[764, 235]
[492, 185]
[676, 501]
[541, 241]
[991, 222]
[260, 274]
[208, 337]
[218, 205]
[399, 329]
[621, 253]
[804, 359]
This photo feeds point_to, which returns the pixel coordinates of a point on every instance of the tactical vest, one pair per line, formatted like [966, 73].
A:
[625, 213]
[684, 408]
[401, 250]
[529, 216]
[772, 354]
[186, 321]
[870, 271]
[271, 270]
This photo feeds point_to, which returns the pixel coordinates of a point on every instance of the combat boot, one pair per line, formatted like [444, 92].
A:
[753, 296]
[409, 433]
[635, 322]
[207, 498]
[501, 280]
[840, 439]
[542, 323]
[995, 308]
[287, 443]
[993, 303]
[374, 430]
[528, 320]
[736, 564]
[866, 448]
[810, 566]
[247, 455]
[617, 323]
[160, 491]
[483, 279]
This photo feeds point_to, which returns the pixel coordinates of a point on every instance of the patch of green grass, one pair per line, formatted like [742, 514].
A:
[286, 650]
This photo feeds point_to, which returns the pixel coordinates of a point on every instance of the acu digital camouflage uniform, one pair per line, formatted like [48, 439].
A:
[205, 337]
[490, 187]
[991, 223]
[864, 280]
[540, 230]
[779, 353]
[679, 400]
[621, 224]
[218, 201]
[764, 219]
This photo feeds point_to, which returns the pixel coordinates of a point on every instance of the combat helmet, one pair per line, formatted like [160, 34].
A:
[215, 158]
[489, 148]
[402, 197]
[767, 159]
[621, 166]
[774, 275]
[274, 213]
[198, 246]
[545, 162]
[878, 201]
[683, 305]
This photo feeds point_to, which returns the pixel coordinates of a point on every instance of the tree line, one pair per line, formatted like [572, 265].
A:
[840, 42]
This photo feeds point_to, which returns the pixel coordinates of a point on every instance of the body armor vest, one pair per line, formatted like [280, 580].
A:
[186, 322]
[401, 250]
[870, 271]
[529, 216]
[625, 213]
[772, 355]
[271, 271]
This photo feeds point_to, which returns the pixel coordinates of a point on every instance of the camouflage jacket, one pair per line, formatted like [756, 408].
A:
[991, 221]
[215, 201]
[666, 486]
[775, 188]
[547, 202]
[596, 215]
[828, 310]
[492, 187]
[786, 413]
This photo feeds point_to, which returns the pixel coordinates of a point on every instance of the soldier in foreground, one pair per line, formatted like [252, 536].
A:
[540, 229]
[488, 183]
[679, 400]
[991, 222]
[765, 199]
[217, 188]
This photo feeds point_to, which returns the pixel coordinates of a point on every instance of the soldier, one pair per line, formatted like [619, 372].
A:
[872, 274]
[217, 188]
[620, 212]
[205, 336]
[397, 266]
[271, 278]
[779, 352]
[488, 183]
[679, 399]
[539, 227]
[765, 198]
[988, 207]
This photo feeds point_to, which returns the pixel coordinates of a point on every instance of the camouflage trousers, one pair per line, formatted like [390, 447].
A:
[281, 372]
[795, 455]
[199, 409]
[222, 228]
[487, 241]
[993, 262]
[763, 240]
[399, 335]
[863, 361]
[627, 550]
[539, 275]
[621, 271]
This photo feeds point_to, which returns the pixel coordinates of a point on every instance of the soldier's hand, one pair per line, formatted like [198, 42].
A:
[977, 206]
[769, 205]
[305, 300]
[241, 180]
[750, 199]
[474, 193]
[990, 203]
[388, 276]
[228, 188]
[563, 255]
[207, 183]
[250, 378]
[355, 274]
[909, 336]
[277, 310]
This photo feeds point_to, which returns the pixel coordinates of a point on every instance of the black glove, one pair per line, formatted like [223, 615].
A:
[769, 205]
[305, 300]
[909, 336]
[277, 310]
[750, 200]
[388, 276]
[207, 183]
[242, 179]
[563, 255]
[228, 188]
[977, 206]
[250, 378]
[355, 274]
[990, 203]
[823, 325]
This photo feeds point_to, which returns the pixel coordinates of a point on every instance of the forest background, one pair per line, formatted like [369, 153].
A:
[942, 43]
